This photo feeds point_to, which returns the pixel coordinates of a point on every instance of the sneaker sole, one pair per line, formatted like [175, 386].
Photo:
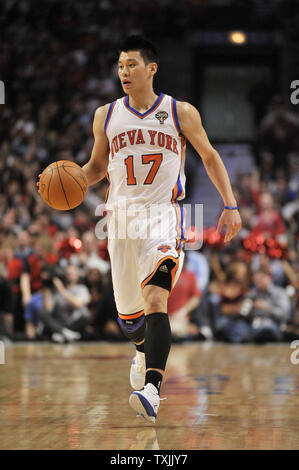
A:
[140, 404]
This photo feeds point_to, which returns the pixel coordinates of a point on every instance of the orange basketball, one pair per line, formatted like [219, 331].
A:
[63, 185]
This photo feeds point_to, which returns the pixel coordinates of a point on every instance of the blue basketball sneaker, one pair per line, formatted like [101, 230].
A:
[146, 402]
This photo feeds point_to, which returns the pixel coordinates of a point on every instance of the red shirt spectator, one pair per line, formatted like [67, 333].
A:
[184, 290]
[269, 220]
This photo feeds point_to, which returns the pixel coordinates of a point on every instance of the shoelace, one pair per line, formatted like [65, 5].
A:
[161, 399]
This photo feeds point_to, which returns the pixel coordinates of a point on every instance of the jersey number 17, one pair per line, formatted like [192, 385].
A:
[154, 158]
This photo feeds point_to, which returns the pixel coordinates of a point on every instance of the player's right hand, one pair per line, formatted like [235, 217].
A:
[232, 219]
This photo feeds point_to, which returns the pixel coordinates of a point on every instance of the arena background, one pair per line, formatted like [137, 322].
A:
[237, 62]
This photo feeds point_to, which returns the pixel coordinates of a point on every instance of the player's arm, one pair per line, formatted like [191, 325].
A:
[191, 127]
[96, 168]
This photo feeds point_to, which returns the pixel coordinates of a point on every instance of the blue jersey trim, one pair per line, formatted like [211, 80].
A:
[155, 105]
[180, 189]
[182, 223]
[108, 116]
[175, 114]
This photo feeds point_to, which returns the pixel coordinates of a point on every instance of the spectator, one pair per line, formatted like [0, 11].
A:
[197, 263]
[267, 166]
[229, 325]
[95, 284]
[52, 120]
[249, 190]
[272, 265]
[247, 214]
[283, 194]
[105, 322]
[269, 221]
[182, 302]
[278, 131]
[6, 306]
[89, 258]
[294, 171]
[47, 257]
[268, 307]
[290, 213]
[292, 272]
[23, 271]
[64, 310]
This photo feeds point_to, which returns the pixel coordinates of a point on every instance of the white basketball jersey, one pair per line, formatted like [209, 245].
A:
[147, 154]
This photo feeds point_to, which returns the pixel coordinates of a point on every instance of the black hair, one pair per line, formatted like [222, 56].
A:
[147, 49]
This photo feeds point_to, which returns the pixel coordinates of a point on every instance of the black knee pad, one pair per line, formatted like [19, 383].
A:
[133, 329]
[162, 276]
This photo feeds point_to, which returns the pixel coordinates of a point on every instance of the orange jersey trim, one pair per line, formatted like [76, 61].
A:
[131, 316]
[173, 271]
[109, 185]
[174, 192]
[178, 227]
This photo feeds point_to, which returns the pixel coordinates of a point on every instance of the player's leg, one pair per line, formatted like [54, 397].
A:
[137, 371]
[159, 261]
[158, 333]
[157, 336]
[129, 302]
[157, 346]
[134, 329]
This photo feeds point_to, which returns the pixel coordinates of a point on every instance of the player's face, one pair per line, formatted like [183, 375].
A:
[133, 73]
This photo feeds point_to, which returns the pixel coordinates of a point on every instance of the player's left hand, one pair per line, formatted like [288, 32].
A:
[232, 219]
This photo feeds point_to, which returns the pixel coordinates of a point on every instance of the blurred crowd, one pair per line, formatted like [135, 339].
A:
[55, 280]
[247, 291]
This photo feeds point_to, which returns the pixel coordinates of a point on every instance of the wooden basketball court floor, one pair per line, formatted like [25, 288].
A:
[218, 397]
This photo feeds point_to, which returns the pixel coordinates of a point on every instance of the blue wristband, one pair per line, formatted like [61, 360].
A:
[231, 207]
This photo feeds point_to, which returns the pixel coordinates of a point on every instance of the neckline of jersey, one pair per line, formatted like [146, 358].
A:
[142, 115]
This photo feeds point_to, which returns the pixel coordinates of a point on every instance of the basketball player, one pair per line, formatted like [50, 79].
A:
[139, 144]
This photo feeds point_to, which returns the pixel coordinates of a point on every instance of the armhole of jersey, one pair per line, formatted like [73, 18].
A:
[175, 116]
[109, 116]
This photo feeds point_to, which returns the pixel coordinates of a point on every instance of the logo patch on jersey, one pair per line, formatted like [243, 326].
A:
[161, 116]
[163, 268]
[164, 248]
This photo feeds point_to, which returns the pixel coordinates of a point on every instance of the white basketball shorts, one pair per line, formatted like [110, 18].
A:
[139, 243]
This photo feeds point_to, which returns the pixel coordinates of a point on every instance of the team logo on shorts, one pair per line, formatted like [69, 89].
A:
[164, 248]
[161, 116]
